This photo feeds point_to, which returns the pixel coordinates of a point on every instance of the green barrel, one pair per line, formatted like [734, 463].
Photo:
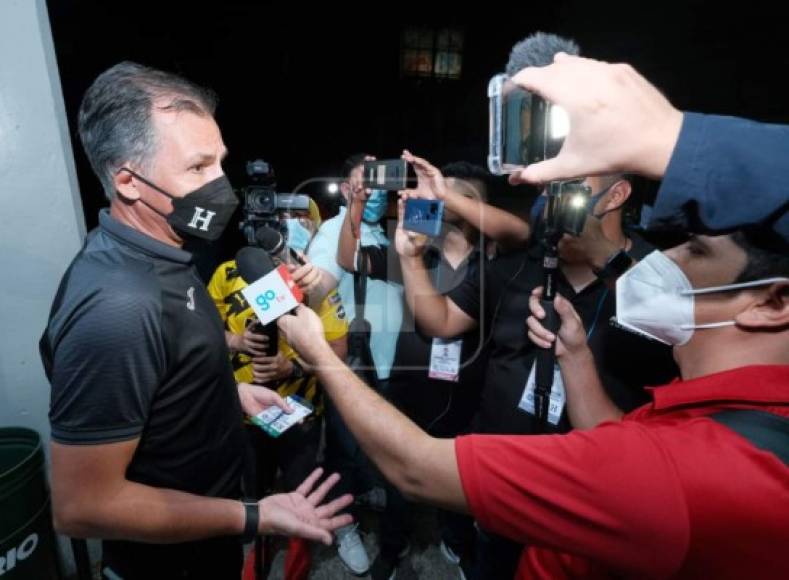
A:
[27, 540]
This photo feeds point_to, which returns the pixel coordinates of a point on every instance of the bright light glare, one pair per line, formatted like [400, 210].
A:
[577, 201]
[560, 123]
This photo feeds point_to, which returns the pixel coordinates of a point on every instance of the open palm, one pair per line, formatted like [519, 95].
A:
[300, 513]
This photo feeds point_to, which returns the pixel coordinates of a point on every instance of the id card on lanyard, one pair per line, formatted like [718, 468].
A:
[445, 359]
[558, 396]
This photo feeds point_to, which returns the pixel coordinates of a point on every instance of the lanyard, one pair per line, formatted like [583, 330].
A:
[597, 314]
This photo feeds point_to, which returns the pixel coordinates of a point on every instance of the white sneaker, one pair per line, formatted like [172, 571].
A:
[449, 554]
[374, 499]
[351, 550]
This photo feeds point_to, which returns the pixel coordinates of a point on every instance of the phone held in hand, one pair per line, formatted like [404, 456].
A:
[388, 175]
[424, 216]
[524, 128]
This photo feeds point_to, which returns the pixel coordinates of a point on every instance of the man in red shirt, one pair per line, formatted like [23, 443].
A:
[662, 491]
[667, 490]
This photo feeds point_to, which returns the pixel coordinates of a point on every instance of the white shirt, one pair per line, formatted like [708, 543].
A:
[384, 303]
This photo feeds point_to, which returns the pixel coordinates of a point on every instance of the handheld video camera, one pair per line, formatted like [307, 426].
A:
[261, 201]
[526, 129]
[566, 209]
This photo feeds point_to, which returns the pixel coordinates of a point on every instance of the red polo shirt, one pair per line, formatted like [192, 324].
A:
[664, 492]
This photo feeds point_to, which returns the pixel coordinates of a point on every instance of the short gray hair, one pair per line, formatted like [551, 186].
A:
[115, 115]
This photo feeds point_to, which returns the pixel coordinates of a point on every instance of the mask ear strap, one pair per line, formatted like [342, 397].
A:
[599, 196]
[708, 325]
[146, 182]
[731, 287]
[151, 185]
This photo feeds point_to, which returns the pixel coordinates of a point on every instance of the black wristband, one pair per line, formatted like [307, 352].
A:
[251, 521]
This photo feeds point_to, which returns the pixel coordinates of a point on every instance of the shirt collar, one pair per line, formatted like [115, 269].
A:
[751, 384]
[140, 241]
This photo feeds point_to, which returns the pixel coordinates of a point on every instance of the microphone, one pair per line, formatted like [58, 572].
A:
[270, 291]
[538, 49]
[252, 265]
[274, 243]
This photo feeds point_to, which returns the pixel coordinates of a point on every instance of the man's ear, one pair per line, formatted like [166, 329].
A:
[618, 195]
[125, 185]
[769, 312]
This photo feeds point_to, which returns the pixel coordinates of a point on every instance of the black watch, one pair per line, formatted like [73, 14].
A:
[251, 521]
[616, 265]
[298, 371]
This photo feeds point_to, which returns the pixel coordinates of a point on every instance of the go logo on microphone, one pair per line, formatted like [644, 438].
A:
[264, 300]
[272, 296]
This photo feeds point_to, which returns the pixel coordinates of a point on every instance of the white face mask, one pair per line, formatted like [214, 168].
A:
[655, 299]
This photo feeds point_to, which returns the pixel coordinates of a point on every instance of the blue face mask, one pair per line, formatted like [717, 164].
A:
[298, 236]
[375, 208]
[535, 215]
[594, 199]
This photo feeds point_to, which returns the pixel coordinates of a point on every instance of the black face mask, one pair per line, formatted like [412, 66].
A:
[203, 213]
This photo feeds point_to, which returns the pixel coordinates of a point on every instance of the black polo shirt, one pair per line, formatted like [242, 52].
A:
[445, 408]
[135, 349]
[626, 362]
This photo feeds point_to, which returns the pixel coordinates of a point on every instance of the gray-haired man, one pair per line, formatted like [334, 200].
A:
[145, 414]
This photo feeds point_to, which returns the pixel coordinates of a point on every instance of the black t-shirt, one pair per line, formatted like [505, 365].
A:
[444, 407]
[626, 362]
[135, 348]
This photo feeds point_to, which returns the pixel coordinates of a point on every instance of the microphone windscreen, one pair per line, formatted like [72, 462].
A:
[270, 240]
[253, 264]
[538, 49]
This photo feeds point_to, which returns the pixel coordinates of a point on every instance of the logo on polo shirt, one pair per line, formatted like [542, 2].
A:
[190, 294]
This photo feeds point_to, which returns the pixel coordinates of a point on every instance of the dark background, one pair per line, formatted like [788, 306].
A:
[302, 87]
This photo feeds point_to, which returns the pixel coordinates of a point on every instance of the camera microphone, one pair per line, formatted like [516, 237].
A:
[274, 244]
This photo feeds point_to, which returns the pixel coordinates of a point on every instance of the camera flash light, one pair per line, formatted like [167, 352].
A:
[577, 201]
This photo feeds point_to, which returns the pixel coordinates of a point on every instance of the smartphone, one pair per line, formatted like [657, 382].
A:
[274, 421]
[424, 216]
[524, 128]
[389, 175]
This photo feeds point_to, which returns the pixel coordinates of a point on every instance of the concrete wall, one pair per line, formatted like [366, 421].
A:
[41, 218]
